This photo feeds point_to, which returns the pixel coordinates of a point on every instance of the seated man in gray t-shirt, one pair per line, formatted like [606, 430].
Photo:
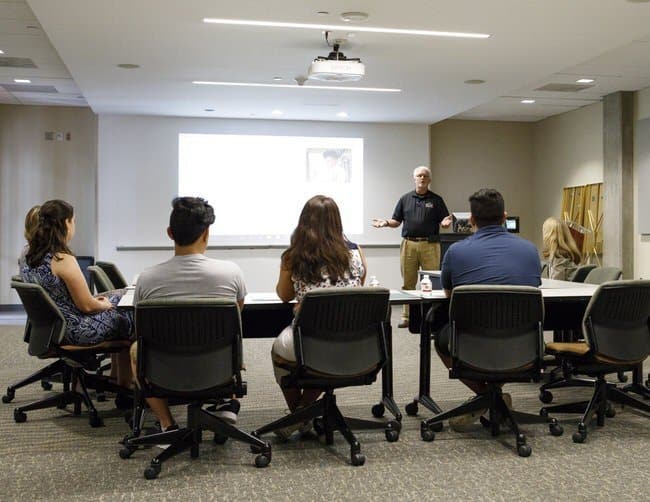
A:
[189, 273]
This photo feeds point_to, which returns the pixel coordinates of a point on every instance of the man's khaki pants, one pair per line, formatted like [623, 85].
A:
[414, 255]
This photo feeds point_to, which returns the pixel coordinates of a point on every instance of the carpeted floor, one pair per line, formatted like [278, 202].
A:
[56, 455]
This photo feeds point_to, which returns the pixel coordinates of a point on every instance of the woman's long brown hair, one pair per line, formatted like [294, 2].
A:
[51, 233]
[317, 244]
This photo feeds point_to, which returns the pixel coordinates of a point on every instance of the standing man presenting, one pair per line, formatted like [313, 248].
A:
[422, 212]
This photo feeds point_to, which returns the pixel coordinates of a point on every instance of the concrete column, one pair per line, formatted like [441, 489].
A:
[618, 155]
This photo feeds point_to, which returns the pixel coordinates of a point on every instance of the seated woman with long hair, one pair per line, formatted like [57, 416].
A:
[319, 256]
[50, 263]
[560, 250]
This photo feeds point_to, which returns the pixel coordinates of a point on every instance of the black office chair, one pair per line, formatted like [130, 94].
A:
[44, 332]
[496, 337]
[617, 338]
[340, 342]
[189, 350]
[100, 279]
[600, 275]
[44, 374]
[113, 273]
[581, 272]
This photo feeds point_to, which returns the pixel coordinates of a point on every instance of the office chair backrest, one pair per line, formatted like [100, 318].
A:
[496, 328]
[188, 344]
[45, 324]
[615, 323]
[599, 275]
[581, 272]
[113, 273]
[340, 331]
[84, 262]
[100, 280]
[16, 278]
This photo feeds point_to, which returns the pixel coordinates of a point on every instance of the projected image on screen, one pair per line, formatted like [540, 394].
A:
[258, 184]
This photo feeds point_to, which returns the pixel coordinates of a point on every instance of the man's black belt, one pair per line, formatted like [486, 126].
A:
[417, 239]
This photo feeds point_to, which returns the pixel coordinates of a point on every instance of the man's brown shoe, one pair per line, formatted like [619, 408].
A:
[404, 323]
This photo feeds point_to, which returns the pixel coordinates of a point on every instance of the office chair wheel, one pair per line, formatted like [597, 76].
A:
[263, 459]
[220, 439]
[610, 412]
[95, 420]
[392, 431]
[581, 435]
[20, 416]
[152, 471]
[61, 405]
[378, 410]
[524, 450]
[357, 459]
[126, 452]
[426, 432]
[45, 385]
[555, 428]
[9, 396]
[545, 396]
[101, 398]
[622, 377]
[543, 412]
[411, 409]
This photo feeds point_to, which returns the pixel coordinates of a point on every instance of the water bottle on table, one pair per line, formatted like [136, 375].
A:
[426, 287]
[373, 282]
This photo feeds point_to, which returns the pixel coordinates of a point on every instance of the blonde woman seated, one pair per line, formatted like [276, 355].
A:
[560, 250]
[319, 256]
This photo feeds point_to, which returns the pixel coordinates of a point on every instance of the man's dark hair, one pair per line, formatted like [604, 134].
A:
[487, 207]
[189, 219]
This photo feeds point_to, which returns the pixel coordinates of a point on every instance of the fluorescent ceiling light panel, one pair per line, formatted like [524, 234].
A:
[528, 101]
[585, 81]
[22, 81]
[295, 86]
[344, 27]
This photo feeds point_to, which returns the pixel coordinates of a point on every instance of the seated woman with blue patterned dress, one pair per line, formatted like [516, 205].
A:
[319, 256]
[50, 263]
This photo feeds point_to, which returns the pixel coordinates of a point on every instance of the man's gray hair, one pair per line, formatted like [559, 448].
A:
[422, 167]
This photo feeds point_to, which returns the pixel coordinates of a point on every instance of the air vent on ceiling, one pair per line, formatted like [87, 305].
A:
[7, 62]
[564, 87]
[50, 89]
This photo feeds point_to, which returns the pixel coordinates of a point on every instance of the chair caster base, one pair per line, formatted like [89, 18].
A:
[378, 410]
[523, 449]
[411, 409]
[546, 397]
[581, 435]
[152, 471]
[20, 416]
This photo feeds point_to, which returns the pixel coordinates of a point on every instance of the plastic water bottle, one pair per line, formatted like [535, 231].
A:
[373, 282]
[425, 286]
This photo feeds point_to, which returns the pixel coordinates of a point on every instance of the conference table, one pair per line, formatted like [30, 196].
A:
[564, 306]
[264, 316]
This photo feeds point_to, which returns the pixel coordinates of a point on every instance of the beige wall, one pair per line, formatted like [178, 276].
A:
[33, 170]
[567, 151]
[469, 154]
[641, 242]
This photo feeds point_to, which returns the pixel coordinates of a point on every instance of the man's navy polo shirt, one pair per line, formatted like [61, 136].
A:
[491, 256]
[421, 215]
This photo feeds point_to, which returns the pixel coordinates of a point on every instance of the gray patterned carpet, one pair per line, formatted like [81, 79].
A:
[56, 455]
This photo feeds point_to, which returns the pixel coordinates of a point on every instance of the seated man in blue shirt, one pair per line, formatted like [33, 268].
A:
[490, 256]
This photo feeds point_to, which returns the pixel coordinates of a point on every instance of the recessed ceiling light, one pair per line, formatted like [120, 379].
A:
[22, 81]
[277, 79]
[354, 17]
[209, 109]
[1, 51]
[585, 81]
[322, 13]
[475, 81]
[295, 86]
[528, 101]
[343, 115]
[277, 112]
[128, 66]
[343, 27]
[32, 27]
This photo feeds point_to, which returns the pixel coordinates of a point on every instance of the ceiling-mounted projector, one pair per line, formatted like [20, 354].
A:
[336, 67]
